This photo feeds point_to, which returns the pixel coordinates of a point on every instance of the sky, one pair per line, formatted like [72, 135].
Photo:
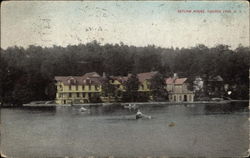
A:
[160, 23]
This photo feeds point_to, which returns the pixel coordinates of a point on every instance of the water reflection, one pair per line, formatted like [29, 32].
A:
[185, 109]
[174, 130]
[226, 108]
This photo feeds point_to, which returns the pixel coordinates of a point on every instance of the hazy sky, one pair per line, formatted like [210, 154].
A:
[133, 23]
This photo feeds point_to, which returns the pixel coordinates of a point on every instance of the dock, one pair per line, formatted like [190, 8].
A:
[136, 103]
[45, 105]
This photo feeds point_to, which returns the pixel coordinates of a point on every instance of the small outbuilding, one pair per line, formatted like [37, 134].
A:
[178, 89]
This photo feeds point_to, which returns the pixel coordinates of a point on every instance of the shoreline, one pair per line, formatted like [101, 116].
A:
[126, 103]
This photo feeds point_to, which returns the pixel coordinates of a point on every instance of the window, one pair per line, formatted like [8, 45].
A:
[72, 81]
[89, 87]
[60, 88]
[185, 98]
[70, 87]
[76, 88]
[174, 98]
[96, 87]
[70, 95]
[180, 98]
[142, 86]
[77, 95]
[83, 94]
[83, 87]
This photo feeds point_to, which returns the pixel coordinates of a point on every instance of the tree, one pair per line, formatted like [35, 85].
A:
[157, 86]
[41, 65]
[132, 86]
[108, 90]
[22, 92]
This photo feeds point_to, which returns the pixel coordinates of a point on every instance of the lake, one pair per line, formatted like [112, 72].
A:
[174, 130]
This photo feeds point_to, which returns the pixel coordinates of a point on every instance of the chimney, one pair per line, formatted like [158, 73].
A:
[175, 76]
[104, 75]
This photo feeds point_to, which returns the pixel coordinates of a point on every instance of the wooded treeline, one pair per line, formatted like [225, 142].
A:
[28, 74]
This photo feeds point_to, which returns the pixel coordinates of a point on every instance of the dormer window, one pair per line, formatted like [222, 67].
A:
[72, 80]
[88, 81]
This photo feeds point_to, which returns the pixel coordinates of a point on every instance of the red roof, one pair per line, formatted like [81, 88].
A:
[146, 76]
[175, 81]
[169, 80]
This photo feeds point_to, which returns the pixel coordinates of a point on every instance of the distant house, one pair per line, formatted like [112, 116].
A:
[82, 89]
[215, 86]
[178, 89]
[144, 83]
[144, 89]
[144, 79]
[119, 82]
[198, 84]
[77, 89]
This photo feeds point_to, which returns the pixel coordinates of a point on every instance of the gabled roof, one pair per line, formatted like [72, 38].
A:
[169, 80]
[92, 77]
[121, 79]
[95, 78]
[91, 74]
[216, 78]
[146, 76]
[175, 81]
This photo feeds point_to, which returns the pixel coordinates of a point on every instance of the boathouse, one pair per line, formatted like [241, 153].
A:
[178, 89]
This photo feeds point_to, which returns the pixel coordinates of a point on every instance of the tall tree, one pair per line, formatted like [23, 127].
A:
[158, 87]
[42, 64]
[108, 89]
[132, 86]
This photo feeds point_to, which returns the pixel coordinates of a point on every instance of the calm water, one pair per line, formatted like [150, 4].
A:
[199, 130]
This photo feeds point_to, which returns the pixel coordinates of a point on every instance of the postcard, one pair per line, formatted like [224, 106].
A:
[124, 79]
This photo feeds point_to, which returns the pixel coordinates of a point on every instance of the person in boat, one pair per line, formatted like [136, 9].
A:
[138, 114]
[83, 109]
